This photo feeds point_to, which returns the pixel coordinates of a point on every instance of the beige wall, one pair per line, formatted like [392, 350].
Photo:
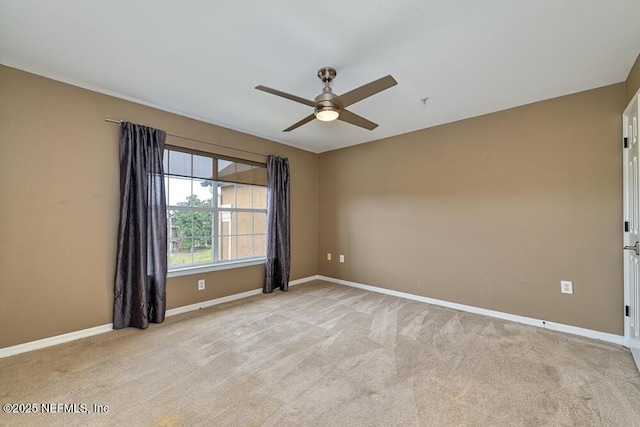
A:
[633, 80]
[491, 212]
[59, 184]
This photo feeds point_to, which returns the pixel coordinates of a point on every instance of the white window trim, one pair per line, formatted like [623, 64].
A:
[197, 269]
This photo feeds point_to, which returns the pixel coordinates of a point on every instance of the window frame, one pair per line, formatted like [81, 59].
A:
[215, 211]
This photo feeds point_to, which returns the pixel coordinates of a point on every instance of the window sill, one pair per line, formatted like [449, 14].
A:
[207, 268]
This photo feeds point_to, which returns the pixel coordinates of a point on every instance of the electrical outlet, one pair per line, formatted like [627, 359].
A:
[341, 258]
[566, 287]
[201, 285]
[328, 256]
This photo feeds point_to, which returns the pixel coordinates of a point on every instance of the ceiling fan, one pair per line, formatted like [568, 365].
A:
[329, 106]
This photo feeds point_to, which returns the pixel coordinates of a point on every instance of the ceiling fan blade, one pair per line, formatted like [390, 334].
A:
[286, 95]
[366, 91]
[300, 123]
[354, 119]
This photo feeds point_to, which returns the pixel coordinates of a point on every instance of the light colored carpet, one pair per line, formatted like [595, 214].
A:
[328, 355]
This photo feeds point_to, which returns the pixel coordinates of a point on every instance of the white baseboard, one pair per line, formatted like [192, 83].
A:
[72, 336]
[575, 330]
[234, 297]
[84, 333]
[212, 302]
[58, 339]
[304, 280]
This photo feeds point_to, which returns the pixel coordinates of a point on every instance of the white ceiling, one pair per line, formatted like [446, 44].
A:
[202, 59]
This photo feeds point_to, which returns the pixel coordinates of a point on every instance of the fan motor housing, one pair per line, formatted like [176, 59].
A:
[327, 99]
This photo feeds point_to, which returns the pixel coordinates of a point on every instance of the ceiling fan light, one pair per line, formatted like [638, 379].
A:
[327, 114]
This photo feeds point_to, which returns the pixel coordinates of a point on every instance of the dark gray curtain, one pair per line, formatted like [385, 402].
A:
[141, 266]
[278, 246]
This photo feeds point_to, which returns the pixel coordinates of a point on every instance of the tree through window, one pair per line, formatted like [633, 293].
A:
[216, 209]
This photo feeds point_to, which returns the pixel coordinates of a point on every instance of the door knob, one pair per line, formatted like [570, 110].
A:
[635, 247]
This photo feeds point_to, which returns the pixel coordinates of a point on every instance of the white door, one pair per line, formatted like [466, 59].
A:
[632, 228]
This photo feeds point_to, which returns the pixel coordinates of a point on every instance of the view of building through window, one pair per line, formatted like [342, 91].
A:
[216, 209]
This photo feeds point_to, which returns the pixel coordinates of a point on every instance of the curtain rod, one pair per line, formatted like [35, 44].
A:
[199, 140]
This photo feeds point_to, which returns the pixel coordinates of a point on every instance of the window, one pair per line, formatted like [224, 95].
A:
[216, 209]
